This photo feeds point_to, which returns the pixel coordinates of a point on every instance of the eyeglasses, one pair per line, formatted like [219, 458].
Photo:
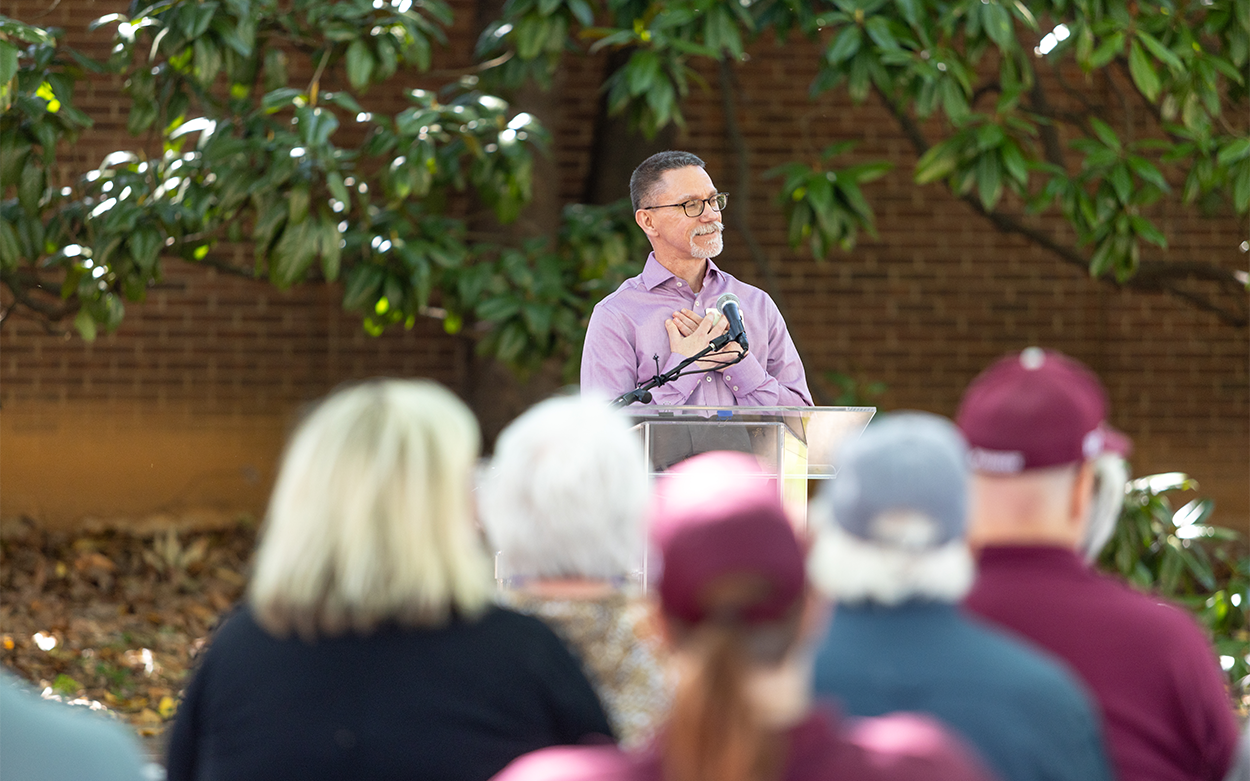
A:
[695, 208]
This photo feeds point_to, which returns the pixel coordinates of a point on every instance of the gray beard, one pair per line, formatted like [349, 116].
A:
[710, 251]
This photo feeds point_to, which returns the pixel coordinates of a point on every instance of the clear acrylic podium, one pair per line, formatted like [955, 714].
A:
[792, 444]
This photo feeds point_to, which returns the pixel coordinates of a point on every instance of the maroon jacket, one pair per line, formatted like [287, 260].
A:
[1163, 697]
[898, 747]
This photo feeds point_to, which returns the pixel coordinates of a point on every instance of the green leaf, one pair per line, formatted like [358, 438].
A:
[1122, 182]
[643, 71]
[537, 318]
[8, 63]
[343, 100]
[998, 25]
[530, 35]
[1146, 230]
[297, 204]
[1234, 151]
[845, 45]
[1241, 187]
[13, 153]
[582, 12]
[330, 247]
[334, 183]
[1102, 260]
[30, 189]
[10, 249]
[362, 287]
[498, 308]
[989, 181]
[1143, 73]
[1146, 171]
[937, 163]
[1107, 51]
[910, 9]
[145, 248]
[1166, 55]
[1105, 134]
[293, 254]
[1013, 161]
[359, 64]
[85, 324]
[279, 99]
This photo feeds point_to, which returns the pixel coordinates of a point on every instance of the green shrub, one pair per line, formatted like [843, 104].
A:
[1179, 555]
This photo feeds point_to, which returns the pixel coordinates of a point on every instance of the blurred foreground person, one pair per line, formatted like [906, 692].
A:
[736, 614]
[368, 647]
[1036, 424]
[48, 741]
[565, 504]
[890, 551]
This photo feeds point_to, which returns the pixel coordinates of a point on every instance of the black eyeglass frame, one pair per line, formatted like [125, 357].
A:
[721, 198]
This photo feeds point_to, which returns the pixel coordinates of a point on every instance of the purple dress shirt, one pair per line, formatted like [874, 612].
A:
[627, 329]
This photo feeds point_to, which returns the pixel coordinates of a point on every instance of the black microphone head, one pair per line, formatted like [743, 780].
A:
[731, 307]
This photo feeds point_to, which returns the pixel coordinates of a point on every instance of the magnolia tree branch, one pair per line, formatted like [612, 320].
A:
[24, 288]
[1155, 276]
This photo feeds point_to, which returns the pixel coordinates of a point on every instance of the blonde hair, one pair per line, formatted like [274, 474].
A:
[371, 518]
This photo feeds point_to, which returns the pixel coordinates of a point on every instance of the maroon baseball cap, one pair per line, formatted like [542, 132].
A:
[1034, 409]
[717, 516]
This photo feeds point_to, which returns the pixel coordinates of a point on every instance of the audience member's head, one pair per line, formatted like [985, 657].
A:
[891, 526]
[731, 593]
[1036, 423]
[567, 493]
[371, 518]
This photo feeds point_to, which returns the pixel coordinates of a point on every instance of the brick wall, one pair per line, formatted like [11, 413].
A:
[184, 408]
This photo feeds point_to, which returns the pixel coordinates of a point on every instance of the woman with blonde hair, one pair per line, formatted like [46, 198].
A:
[368, 646]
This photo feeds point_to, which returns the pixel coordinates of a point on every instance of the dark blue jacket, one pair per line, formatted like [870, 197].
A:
[1023, 710]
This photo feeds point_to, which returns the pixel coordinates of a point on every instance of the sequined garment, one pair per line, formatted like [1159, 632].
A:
[620, 653]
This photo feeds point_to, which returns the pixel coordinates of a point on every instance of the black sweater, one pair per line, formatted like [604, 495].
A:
[454, 703]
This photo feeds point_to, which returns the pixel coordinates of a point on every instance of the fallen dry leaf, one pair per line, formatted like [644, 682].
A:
[109, 605]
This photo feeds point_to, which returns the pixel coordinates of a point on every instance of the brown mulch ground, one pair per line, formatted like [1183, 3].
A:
[113, 619]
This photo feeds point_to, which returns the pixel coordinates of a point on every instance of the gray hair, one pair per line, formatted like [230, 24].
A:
[567, 492]
[850, 569]
[371, 516]
[647, 175]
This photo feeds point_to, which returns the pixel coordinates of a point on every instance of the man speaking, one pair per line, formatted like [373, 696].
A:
[669, 311]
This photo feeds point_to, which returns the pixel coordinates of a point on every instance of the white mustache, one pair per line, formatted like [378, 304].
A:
[711, 227]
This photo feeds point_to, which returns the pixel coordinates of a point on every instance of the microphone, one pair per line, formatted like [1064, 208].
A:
[730, 307]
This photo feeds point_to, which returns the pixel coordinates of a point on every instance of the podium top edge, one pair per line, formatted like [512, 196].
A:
[649, 408]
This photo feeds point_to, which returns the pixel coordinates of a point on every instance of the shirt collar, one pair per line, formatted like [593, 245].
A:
[654, 274]
[1052, 556]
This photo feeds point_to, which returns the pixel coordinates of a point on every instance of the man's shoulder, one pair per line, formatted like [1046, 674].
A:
[613, 300]
[1019, 663]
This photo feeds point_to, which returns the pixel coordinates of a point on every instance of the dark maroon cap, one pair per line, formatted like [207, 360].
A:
[716, 515]
[1035, 409]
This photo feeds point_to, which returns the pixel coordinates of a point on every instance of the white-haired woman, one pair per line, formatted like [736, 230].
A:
[368, 646]
[564, 503]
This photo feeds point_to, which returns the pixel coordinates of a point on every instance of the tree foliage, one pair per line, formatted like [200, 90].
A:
[1005, 105]
[1068, 123]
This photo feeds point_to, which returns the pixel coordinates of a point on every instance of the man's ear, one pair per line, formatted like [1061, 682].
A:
[1082, 496]
[645, 221]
